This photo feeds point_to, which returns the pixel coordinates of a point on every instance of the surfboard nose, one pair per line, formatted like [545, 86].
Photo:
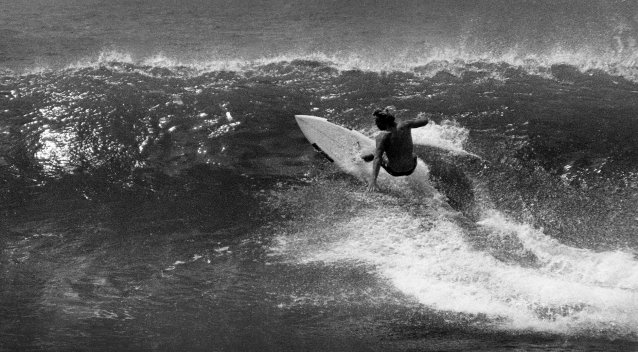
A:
[309, 118]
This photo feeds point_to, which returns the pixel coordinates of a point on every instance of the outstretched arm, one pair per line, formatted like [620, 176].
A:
[416, 123]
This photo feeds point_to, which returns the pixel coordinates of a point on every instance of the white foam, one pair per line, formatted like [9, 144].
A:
[434, 263]
[617, 269]
[448, 135]
[104, 57]
[426, 62]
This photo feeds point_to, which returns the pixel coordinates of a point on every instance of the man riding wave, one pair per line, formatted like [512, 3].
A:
[395, 141]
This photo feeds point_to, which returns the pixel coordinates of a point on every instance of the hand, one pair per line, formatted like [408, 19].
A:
[373, 187]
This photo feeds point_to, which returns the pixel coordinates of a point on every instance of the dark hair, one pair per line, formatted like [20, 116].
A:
[384, 119]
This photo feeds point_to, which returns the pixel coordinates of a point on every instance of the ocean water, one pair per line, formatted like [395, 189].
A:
[156, 193]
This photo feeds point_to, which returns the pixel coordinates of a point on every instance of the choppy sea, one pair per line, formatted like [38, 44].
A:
[157, 194]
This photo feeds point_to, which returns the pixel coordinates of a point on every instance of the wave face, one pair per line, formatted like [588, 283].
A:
[526, 224]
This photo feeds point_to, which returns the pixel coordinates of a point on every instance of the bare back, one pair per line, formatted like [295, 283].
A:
[398, 147]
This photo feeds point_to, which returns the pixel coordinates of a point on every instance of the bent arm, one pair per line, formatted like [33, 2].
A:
[416, 123]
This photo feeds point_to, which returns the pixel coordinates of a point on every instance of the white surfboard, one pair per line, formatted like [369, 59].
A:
[344, 147]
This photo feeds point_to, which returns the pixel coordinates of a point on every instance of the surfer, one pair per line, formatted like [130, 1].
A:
[395, 140]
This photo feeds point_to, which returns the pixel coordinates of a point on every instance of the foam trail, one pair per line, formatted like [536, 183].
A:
[608, 269]
[432, 262]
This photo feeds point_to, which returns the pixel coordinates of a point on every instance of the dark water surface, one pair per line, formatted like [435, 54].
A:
[156, 193]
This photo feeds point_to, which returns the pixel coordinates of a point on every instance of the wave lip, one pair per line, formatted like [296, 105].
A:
[421, 62]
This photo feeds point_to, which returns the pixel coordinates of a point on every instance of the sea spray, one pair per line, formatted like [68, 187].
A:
[432, 261]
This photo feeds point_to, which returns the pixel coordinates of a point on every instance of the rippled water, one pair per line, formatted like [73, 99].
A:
[156, 197]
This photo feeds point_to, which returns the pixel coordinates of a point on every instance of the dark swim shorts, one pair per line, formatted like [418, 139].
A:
[400, 173]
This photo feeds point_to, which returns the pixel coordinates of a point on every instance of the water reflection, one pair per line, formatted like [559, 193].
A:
[54, 153]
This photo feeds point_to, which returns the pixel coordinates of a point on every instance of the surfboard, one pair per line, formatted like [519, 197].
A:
[338, 144]
[346, 148]
[343, 146]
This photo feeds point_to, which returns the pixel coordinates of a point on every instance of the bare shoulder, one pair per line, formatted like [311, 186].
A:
[383, 135]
